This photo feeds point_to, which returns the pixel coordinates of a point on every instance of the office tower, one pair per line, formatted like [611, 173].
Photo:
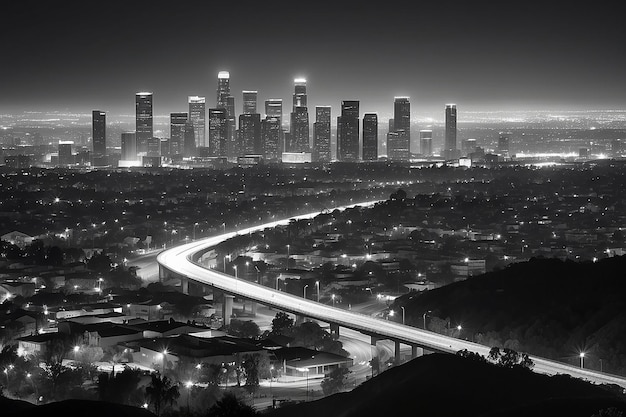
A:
[250, 134]
[98, 138]
[321, 134]
[197, 117]
[178, 123]
[399, 144]
[299, 121]
[129, 146]
[218, 132]
[270, 137]
[468, 146]
[143, 121]
[370, 137]
[154, 147]
[223, 89]
[504, 143]
[249, 101]
[348, 131]
[274, 108]
[189, 140]
[450, 150]
[426, 142]
[65, 152]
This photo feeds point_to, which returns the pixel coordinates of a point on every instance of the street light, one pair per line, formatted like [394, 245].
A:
[317, 284]
[226, 256]
[402, 307]
[304, 291]
[188, 384]
[306, 371]
[424, 317]
[235, 268]
[333, 297]
[271, 378]
[194, 230]
[582, 359]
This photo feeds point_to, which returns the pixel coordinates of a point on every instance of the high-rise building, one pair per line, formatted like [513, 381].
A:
[129, 146]
[399, 144]
[197, 117]
[189, 140]
[450, 150]
[468, 146]
[274, 108]
[98, 138]
[370, 137]
[65, 152]
[249, 101]
[299, 122]
[426, 142]
[223, 89]
[504, 143]
[178, 124]
[155, 148]
[270, 137]
[348, 131]
[143, 121]
[321, 134]
[250, 134]
[218, 132]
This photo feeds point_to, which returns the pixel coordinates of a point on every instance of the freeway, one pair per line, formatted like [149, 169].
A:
[178, 261]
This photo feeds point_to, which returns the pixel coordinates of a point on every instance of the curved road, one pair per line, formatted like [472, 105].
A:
[178, 261]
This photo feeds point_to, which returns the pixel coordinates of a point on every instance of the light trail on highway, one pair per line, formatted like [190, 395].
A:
[179, 261]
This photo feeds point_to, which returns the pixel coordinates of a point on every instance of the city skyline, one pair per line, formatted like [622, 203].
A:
[476, 55]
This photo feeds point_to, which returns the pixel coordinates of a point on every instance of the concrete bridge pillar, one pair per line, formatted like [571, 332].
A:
[162, 273]
[397, 354]
[299, 319]
[416, 351]
[334, 331]
[184, 285]
[253, 307]
[227, 308]
[375, 356]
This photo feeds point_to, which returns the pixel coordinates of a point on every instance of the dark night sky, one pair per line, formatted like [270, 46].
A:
[478, 54]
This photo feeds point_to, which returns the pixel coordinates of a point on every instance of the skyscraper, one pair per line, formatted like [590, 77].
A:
[299, 119]
[504, 143]
[197, 117]
[348, 131]
[426, 142]
[370, 137]
[250, 134]
[218, 133]
[98, 138]
[143, 121]
[129, 146]
[178, 123]
[249, 101]
[65, 152]
[189, 140]
[270, 137]
[321, 134]
[223, 89]
[399, 144]
[274, 108]
[450, 150]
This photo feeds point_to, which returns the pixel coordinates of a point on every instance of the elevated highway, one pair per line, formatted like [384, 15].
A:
[180, 262]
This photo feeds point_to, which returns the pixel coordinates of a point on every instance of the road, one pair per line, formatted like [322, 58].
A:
[178, 261]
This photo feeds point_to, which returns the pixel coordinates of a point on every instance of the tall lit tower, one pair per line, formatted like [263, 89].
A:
[223, 89]
[299, 119]
[143, 121]
[450, 150]
[98, 127]
[218, 134]
[178, 124]
[274, 109]
[249, 101]
[399, 143]
[426, 142]
[197, 117]
[348, 131]
[321, 134]
[370, 137]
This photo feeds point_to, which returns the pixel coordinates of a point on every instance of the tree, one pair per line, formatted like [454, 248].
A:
[122, 388]
[231, 406]
[282, 324]
[161, 392]
[245, 329]
[99, 262]
[335, 381]
[251, 366]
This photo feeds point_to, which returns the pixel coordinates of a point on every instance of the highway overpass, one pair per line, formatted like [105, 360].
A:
[178, 262]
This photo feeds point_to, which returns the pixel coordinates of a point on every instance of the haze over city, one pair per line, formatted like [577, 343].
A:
[269, 209]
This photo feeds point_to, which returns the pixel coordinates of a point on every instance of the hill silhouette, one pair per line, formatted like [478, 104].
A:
[546, 307]
[17, 408]
[442, 385]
